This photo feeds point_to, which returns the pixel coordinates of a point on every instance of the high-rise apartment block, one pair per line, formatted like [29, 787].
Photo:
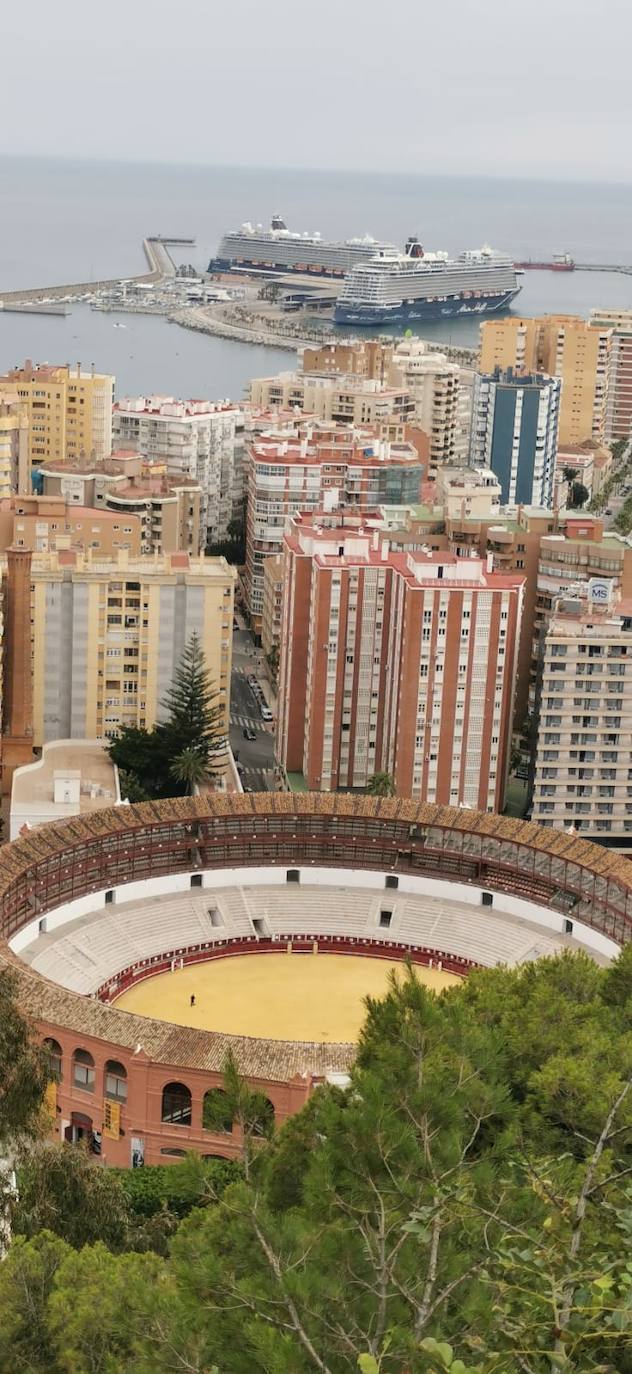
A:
[618, 424]
[563, 346]
[583, 779]
[435, 385]
[167, 507]
[515, 433]
[321, 466]
[395, 662]
[272, 613]
[196, 439]
[104, 636]
[69, 411]
[15, 470]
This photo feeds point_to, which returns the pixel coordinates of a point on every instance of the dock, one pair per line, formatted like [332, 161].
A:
[159, 261]
[34, 308]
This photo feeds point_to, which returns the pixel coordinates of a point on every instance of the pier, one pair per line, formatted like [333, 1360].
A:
[159, 260]
[625, 268]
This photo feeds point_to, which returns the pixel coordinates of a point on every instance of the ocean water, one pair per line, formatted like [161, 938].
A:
[75, 221]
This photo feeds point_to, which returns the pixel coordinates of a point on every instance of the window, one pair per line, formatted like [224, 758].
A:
[385, 919]
[176, 1104]
[196, 880]
[109, 896]
[216, 1114]
[391, 880]
[293, 875]
[83, 1070]
[115, 1081]
[54, 1055]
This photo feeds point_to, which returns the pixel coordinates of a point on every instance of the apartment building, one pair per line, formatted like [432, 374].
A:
[200, 440]
[271, 615]
[321, 466]
[68, 410]
[396, 662]
[515, 433]
[15, 471]
[106, 634]
[167, 508]
[44, 523]
[370, 358]
[563, 346]
[583, 774]
[435, 385]
[618, 421]
[338, 399]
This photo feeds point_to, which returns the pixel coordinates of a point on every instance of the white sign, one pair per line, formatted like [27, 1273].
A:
[600, 590]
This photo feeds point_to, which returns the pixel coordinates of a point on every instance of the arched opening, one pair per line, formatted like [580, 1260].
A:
[115, 1081]
[176, 1104]
[53, 1052]
[262, 1117]
[216, 1113]
[83, 1070]
[173, 1154]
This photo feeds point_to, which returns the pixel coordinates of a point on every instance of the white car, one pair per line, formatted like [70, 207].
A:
[266, 713]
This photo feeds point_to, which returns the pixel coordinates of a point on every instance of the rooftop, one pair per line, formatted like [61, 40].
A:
[84, 764]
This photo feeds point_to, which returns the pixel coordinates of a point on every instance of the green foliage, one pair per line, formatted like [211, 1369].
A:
[24, 1070]
[62, 1189]
[623, 521]
[579, 495]
[464, 1206]
[188, 747]
[570, 474]
[177, 1187]
[381, 785]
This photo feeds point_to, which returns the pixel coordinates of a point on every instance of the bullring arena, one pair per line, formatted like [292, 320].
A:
[277, 914]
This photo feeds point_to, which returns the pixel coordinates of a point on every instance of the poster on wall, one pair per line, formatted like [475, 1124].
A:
[137, 1148]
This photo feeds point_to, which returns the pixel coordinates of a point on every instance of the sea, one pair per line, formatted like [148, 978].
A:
[72, 221]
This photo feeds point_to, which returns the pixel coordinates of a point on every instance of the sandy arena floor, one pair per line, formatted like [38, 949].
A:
[275, 996]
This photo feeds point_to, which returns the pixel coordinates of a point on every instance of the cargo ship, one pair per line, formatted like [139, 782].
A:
[394, 288]
[562, 262]
[254, 249]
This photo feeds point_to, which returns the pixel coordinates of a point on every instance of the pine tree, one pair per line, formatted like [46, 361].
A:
[195, 721]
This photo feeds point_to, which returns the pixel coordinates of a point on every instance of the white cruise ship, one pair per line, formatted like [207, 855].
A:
[395, 287]
[279, 249]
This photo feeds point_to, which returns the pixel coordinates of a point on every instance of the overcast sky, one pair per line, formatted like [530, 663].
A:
[538, 88]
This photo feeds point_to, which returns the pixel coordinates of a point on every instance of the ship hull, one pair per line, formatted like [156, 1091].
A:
[451, 307]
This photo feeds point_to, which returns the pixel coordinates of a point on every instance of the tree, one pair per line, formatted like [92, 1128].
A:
[381, 785]
[188, 746]
[272, 660]
[24, 1071]
[196, 711]
[191, 769]
[579, 495]
[27, 1275]
[570, 474]
[62, 1189]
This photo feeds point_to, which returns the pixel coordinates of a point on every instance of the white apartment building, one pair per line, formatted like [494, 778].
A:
[583, 764]
[346, 399]
[199, 439]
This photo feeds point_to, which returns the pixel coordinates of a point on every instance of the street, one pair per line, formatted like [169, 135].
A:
[256, 757]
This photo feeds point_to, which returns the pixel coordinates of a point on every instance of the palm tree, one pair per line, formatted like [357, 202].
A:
[381, 785]
[190, 768]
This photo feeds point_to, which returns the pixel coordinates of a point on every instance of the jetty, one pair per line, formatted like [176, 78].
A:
[159, 261]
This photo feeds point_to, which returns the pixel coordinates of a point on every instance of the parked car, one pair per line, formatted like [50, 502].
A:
[266, 713]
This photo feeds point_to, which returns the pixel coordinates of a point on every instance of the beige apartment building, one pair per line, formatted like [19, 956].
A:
[619, 399]
[338, 399]
[562, 346]
[168, 509]
[45, 523]
[582, 766]
[395, 662]
[106, 634]
[273, 576]
[15, 471]
[436, 387]
[69, 411]
[351, 357]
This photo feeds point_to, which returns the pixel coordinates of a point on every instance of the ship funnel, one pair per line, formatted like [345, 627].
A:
[413, 247]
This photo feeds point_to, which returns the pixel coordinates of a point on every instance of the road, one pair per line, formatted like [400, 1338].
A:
[256, 756]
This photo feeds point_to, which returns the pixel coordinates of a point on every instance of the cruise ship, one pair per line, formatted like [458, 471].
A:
[277, 249]
[394, 288]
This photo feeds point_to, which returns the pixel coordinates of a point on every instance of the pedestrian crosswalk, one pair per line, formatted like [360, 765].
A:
[250, 721]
